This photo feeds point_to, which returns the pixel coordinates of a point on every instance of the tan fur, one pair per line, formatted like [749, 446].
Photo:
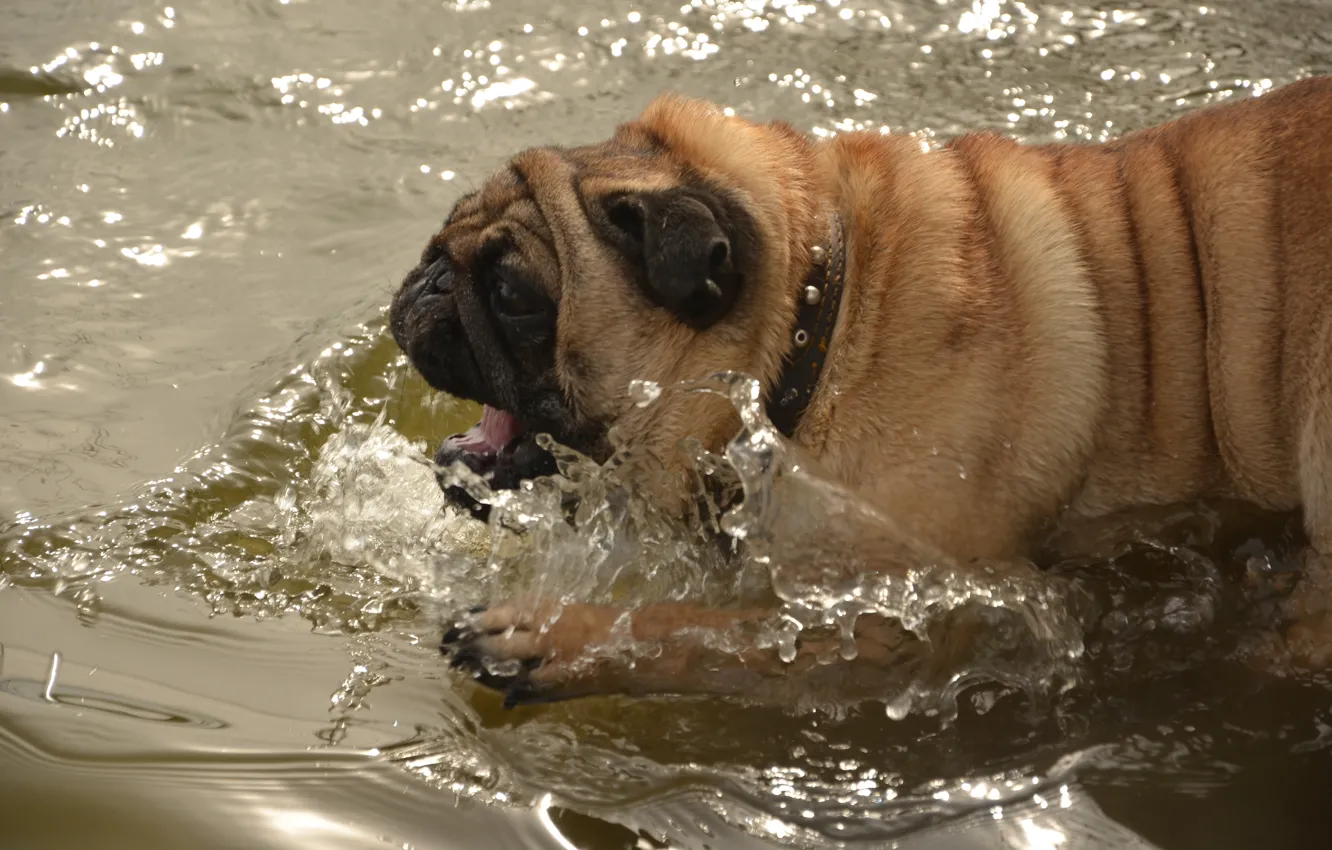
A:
[1028, 333]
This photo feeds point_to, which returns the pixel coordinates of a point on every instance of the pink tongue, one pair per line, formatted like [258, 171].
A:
[495, 431]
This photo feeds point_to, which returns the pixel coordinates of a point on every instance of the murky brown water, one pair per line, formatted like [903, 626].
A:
[216, 610]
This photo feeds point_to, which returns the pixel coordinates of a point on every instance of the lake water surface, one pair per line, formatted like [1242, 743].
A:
[218, 613]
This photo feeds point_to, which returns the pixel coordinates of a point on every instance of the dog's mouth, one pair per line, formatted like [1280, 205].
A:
[500, 449]
[484, 441]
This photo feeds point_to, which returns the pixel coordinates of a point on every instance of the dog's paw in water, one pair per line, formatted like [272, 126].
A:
[1304, 644]
[547, 652]
[532, 653]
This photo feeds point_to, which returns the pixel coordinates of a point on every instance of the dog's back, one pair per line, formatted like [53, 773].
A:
[1150, 318]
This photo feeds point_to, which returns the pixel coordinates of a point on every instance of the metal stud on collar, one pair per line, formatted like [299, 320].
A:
[817, 303]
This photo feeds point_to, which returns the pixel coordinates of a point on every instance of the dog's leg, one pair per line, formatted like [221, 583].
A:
[544, 653]
[1309, 637]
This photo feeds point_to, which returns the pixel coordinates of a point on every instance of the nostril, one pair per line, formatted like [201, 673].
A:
[438, 275]
[629, 217]
[718, 254]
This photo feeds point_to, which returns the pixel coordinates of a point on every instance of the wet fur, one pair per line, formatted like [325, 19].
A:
[1029, 335]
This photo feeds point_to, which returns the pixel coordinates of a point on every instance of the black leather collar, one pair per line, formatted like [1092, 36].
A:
[819, 301]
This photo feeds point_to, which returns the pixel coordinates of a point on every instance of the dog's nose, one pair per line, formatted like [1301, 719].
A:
[436, 277]
[439, 275]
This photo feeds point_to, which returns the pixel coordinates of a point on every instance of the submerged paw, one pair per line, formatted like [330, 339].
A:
[498, 653]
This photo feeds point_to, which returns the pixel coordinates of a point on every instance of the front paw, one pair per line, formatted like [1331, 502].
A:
[498, 655]
[530, 654]
[1305, 644]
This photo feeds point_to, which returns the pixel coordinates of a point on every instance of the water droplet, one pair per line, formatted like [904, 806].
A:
[644, 393]
[899, 708]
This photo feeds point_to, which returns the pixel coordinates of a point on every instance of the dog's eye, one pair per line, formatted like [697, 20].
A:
[513, 299]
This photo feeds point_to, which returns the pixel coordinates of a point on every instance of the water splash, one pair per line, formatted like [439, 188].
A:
[598, 533]
[314, 505]
[308, 505]
[319, 502]
[832, 558]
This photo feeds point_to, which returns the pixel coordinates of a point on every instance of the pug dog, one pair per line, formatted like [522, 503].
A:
[1084, 328]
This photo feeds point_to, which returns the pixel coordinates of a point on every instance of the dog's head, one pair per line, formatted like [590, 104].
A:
[670, 251]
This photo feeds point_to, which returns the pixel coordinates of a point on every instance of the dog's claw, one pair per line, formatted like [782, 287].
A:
[503, 684]
[465, 655]
[517, 689]
[519, 693]
[461, 645]
[461, 630]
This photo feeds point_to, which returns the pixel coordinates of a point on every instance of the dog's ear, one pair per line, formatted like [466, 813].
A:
[678, 238]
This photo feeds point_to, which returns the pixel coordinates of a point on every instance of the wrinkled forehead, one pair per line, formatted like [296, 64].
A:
[541, 194]
[631, 160]
[492, 221]
[633, 154]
